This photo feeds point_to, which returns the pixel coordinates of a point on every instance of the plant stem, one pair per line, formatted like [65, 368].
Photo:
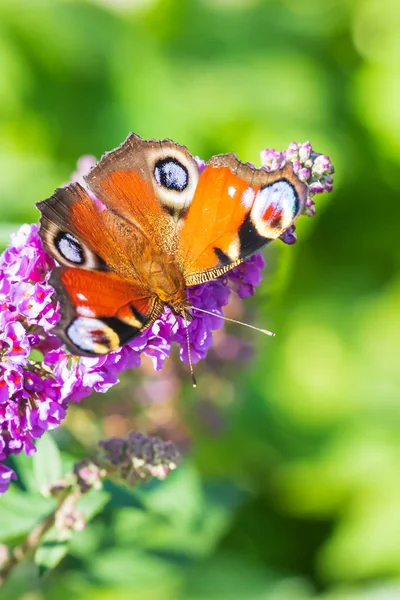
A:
[32, 540]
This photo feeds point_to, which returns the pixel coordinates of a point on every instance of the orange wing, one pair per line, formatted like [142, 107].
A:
[236, 210]
[100, 311]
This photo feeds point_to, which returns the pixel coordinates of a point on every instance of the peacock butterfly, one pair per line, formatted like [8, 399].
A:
[149, 225]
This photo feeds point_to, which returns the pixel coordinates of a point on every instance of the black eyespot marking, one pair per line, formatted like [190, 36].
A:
[250, 239]
[124, 331]
[174, 211]
[223, 259]
[138, 315]
[84, 333]
[171, 174]
[296, 205]
[69, 248]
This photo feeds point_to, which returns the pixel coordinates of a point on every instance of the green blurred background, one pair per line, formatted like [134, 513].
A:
[291, 485]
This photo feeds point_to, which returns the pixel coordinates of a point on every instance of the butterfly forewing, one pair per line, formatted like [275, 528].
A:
[150, 183]
[238, 209]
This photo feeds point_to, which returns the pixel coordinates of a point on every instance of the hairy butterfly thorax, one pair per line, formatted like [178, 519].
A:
[166, 281]
[149, 225]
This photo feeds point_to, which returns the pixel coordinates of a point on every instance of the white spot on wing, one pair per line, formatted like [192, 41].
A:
[81, 296]
[248, 197]
[231, 191]
[176, 176]
[234, 249]
[84, 311]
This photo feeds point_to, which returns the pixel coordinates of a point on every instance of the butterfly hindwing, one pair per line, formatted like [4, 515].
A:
[100, 312]
[239, 209]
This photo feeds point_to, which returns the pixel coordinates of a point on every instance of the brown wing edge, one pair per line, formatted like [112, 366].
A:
[131, 142]
[259, 176]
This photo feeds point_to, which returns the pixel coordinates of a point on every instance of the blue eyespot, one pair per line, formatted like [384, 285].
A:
[69, 247]
[171, 174]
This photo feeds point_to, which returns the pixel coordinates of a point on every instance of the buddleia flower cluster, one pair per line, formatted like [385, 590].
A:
[312, 168]
[39, 377]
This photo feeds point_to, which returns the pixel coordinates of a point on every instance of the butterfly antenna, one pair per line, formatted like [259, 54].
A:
[171, 331]
[208, 312]
[194, 382]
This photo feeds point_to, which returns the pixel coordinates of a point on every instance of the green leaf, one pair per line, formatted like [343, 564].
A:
[180, 497]
[121, 497]
[22, 464]
[229, 576]
[36, 355]
[133, 569]
[92, 503]
[47, 466]
[20, 512]
[188, 537]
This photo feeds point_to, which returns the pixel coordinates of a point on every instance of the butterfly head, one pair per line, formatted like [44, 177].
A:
[178, 302]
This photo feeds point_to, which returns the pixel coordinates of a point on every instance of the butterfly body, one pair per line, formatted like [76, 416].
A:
[148, 226]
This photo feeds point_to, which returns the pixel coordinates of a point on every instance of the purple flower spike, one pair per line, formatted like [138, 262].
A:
[304, 174]
[15, 343]
[310, 207]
